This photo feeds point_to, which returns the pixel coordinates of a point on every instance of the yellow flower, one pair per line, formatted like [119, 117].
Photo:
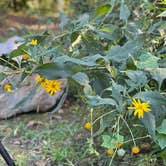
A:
[139, 107]
[88, 125]
[15, 41]
[38, 79]
[7, 87]
[135, 150]
[34, 42]
[110, 152]
[25, 57]
[51, 86]
[118, 144]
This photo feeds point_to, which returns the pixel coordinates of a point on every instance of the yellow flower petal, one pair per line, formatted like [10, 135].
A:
[7, 87]
[34, 42]
[88, 125]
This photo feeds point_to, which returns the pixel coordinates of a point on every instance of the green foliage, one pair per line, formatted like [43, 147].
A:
[114, 55]
[161, 134]
[110, 142]
[147, 61]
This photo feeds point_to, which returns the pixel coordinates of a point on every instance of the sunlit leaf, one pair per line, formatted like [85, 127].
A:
[101, 10]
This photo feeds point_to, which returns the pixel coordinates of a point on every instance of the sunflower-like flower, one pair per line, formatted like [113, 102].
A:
[88, 125]
[7, 87]
[139, 107]
[34, 42]
[51, 86]
[38, 79]
[135, 150]
[110, 152]
[25, 57]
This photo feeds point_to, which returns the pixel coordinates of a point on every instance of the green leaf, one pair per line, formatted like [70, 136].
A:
[119, 138]
[103, 126]
[108, 142]
[158, 74]
[154, 97]
[124, 11]
[83, 20]
[147, 60]
[49, 52]
[94, 58]
[121, 54]
[19, 51]
[2, 76]
[163, 156]
[149, 123]
[81, 78]
[163, 14]
[161, 139]
[54, 70]
[102, 10]
[97, 100]
[65, 58]
[162, 129]
[109, 31]
[137, 76]
[137, 79]
[88, 90]
[64, 20]
[156, 26]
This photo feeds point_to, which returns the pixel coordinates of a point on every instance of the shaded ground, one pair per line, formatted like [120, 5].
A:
[44, 139]
[11, 24]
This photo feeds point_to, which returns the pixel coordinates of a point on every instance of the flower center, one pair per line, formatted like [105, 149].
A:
[140, 107]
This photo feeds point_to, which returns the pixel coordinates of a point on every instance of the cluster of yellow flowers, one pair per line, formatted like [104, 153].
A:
[134, 150]
[34, 42]
[50, 86]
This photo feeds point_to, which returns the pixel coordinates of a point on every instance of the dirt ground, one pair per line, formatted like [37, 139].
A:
[12, 24]
[44, 139]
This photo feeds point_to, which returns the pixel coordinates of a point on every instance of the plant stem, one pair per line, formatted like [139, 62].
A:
[128, 129]
[113, 157]
[102, 116]
[9, 63]
[147, 136]
[91, 116]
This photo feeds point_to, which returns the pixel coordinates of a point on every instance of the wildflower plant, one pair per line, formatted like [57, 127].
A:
[116, 54]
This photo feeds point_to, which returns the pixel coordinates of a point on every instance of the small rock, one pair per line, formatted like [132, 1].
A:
[41, 101]
[121, 152]
[57, 117]
[34, 123]
[10, 45]
[146, 147]
[61, 111]
[17, 142]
